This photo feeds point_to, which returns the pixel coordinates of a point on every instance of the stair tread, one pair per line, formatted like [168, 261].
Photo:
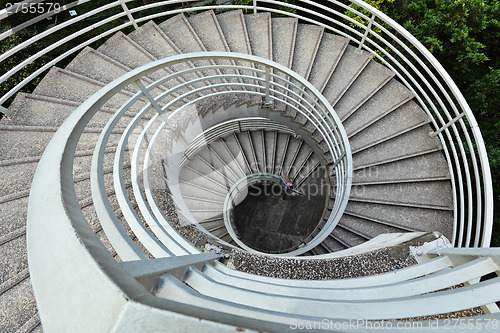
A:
[33, 110]
[411, 143]
[283, 33]
[432, 194]
[259, 34]
[182, 34]
[258, 142]
[13, 215]
[423, 167]
[406, 117]
[347, 70]
[307, 41]
[333, 245]
[20, 297]
[391, 96]
[231, 161]
[63, 84]
[209, 32]
[30, 141]
[409, 217]
[213, 159]
[348, 238]
[124, 50]
[14, 258]
[329, 53]
[248, 150]
[235, 32]
[369, 81]
[96, 65]
[367, 228]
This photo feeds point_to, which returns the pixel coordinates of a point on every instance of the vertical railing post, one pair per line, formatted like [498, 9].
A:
[140, 87]
[255, 7]
[5, 111]
[129, 14]
[267, 100]
[368, 29]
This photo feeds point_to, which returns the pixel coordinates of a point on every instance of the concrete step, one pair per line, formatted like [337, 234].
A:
[193, 176]
[260, 148]
[205, 166]
[120, 47]
[17, 175]
[404, 119]
[282, 147]
[307, 42]
[21, 141]
[327, 58]
[35, 110]
[259, 29]
[366, 228]
[14, 258]
[332, 244]
[320, 249]
[180, 32]
[411, 218]
[310, 167]
[62, 84]
[197, 204]
[431, 194]
[209, 32]
[390, 97]
[233, 27]
[294, 146]
[413, 143]
[432, 166]
[211, 224]
[97, 66]
[13, 217]
[248, 149]
[212, 156]
[372, 78]
[234, 146]
[18, 307]
[348, 238]
[302, 159]
[270, 139]
[234, 163]
[194, 189]
[349, 67]
[152, 39]
[284, 32]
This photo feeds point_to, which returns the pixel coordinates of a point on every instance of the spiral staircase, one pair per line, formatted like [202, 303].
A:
[151, 134]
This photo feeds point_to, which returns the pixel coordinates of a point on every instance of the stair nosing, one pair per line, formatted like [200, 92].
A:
[400, 204]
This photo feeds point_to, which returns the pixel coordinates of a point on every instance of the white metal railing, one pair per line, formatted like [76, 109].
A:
[227, 127]
[156, 234]
[378, 34]
[76, 260]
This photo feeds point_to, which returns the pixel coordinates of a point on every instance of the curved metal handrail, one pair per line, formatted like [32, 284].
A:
[378, 34]
[156, 234]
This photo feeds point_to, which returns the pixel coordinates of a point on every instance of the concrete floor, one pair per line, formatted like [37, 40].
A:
[269, 220]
